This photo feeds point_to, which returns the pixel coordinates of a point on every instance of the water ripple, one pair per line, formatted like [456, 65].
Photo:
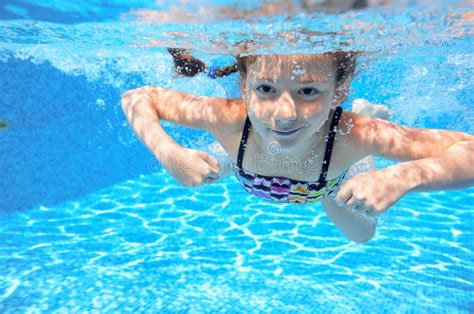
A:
[211, 243]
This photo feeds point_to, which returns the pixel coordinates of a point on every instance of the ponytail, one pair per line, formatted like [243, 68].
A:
[185, 63]
[188, 65]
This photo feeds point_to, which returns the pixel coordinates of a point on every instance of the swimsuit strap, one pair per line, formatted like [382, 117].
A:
[243, 142]
[329, 145]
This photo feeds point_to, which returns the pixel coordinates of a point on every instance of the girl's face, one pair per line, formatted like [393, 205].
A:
[289, 98]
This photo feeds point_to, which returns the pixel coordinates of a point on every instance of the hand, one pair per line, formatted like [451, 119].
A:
[373, 192]
[192, 167]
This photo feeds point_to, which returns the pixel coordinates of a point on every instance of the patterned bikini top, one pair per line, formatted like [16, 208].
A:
[286, 190]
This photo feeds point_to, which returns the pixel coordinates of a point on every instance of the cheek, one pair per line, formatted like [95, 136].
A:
[259, 108]
[313, 111]
[319, 108]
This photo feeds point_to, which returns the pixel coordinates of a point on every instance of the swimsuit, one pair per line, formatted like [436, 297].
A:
[286, 190]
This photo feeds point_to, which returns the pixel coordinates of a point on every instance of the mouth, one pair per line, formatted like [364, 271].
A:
[286, 133]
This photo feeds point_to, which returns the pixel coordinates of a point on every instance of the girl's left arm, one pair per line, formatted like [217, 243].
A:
[434, 160]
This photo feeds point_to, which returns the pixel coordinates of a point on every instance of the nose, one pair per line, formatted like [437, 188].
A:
[286, 110]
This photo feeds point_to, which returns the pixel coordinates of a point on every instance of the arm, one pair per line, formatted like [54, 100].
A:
[451, 169]
[140, 110]
[437, 159]
[396, 142]
[146, 106]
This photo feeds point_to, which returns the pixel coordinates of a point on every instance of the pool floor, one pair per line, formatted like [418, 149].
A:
[150, 245]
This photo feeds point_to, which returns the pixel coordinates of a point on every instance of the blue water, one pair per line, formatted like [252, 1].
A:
[91, 222]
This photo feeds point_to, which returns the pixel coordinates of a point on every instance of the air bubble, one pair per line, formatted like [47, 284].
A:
[100, 104]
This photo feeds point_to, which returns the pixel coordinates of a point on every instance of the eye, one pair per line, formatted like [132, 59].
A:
[308, 91]
[266, 89]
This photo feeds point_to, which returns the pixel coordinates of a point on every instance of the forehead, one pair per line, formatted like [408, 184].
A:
[318, 68]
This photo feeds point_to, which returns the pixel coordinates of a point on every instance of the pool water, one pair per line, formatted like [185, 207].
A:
[148, 244]
[91, 222]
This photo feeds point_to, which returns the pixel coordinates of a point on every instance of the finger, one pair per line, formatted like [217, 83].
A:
[212, 175]
[211, 161]
[365, 209]
[345, 193]
[210, 179]
[353, 202]
[369, 211]
[356, 205]
[214, 163]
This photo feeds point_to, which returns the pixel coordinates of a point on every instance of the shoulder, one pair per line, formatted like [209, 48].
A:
[369, 135]
[225, 116]
[359, 131]
[352, 142]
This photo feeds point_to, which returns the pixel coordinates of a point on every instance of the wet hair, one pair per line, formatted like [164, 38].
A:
[188, 65]
[359, 4]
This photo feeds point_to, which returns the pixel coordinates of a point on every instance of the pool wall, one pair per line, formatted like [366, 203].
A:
[62, 137]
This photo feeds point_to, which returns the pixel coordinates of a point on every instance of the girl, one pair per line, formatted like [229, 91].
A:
[290, 141]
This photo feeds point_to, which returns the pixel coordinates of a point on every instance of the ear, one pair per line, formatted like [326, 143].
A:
[342, 90]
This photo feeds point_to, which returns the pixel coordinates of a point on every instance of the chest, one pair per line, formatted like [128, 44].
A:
[267, 161]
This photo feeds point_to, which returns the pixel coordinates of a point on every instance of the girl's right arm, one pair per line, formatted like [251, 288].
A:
[146, 106]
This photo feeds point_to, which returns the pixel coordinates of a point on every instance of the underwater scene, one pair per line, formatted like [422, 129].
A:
[92, 222]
